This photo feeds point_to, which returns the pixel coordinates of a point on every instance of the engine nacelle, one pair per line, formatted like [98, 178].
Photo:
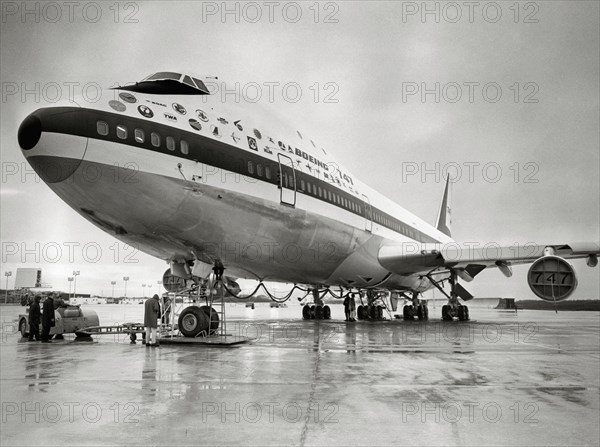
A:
[552, 278]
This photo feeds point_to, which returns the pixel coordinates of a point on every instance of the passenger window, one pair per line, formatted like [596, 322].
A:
[259, 170]
[185, 149]
[320, 192]
[121, 132]
[102, 127]
[330, 196]
[155, 139]
[139, 135]
[251, 167]
[171, 143]
[302, 185]
[268, 172]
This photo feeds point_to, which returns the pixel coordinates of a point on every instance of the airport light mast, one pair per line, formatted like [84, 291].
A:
[7, 274]
[75, 275]
[112, 283]
[70, 279]
[144, 290]
[158, 287]
[125, 278]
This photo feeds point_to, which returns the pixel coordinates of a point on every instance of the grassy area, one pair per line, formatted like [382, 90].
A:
[561, 305]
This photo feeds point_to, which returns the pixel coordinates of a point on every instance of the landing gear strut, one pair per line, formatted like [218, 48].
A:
[454, 309]
[416, 309]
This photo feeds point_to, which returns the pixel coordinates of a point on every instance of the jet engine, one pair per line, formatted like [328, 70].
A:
[552, 278]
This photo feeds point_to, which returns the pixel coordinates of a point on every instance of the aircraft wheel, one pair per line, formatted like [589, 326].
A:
[192, 321]
[446, 315]
[211, 314]
[319, 313]
[425, 312]
[461, 313]
[380, 313]
[406, 313]
[313, 312]
[420, 314]
[327, 312]
[373, 312]
[360, 312]
[467, 313]
[23, 327]
[306, 312]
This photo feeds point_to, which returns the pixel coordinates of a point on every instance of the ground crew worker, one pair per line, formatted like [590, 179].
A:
[151, 315]
[166, 319]
[347, 307]
[352, 306]
[35, 318]
[48, 320]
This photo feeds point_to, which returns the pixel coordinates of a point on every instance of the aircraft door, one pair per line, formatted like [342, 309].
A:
[286, 180]
[368, 214]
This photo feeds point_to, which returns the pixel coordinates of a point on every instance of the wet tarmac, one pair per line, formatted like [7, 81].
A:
[530, 378]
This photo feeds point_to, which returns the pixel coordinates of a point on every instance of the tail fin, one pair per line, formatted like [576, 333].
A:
[444, 220]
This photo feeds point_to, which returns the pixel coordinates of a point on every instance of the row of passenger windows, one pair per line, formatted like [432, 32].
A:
[308, 187]
[140, 137]
[288, 180]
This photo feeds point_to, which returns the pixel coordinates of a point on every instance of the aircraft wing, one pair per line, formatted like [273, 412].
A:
[468, 261]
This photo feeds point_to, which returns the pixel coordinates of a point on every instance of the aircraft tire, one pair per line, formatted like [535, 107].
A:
[467, 313]
[327, 312]
[360, 312]
[319, 313]
[313, 312]
[211, 314]
[446, 313]
[23, 328]
[425, 312]
[306, 312]
[380, 312]
[192, 321]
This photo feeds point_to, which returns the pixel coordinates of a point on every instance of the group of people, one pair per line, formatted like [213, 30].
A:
[152, 314]
[350, 307]
[45, 316]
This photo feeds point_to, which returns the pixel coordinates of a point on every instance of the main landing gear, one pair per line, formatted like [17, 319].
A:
[454, 309]
[371, 311]
[316, 311]
[415, 310]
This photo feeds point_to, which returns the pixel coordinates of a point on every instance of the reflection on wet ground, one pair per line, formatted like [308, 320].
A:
[506, 379]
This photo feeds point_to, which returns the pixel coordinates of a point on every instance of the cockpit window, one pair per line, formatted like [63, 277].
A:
[164, 75]
[187, 80]
[201, 85]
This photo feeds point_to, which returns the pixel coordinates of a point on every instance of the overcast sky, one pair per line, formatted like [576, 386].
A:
[518, 92]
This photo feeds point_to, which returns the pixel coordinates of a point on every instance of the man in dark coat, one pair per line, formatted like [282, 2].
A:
[35, 318]
[47, 319]
[151, 314]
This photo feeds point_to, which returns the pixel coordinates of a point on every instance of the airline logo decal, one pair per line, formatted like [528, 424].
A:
[223, 121]
[179, 108]
[117, 105]
[195, 124]
[170, 116]
[145, 111]
[238, 125]
[268, 150]
[257, 134]
[235, 137]
[215, 131]
[201, 115]
[128, 97]
[252, 144]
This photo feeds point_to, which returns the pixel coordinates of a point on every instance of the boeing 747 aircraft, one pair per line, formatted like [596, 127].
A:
[206, 185]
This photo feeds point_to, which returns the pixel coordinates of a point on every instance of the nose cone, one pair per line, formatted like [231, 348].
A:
[30, 132]
[53, 141]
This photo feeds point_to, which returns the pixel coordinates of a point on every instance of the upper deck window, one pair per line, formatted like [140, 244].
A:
[164, 75]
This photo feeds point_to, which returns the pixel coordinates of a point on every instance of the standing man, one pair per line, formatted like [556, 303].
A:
[48, 320]
[347, 307]
[352, 307]
[35, 318]
[151, 315]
